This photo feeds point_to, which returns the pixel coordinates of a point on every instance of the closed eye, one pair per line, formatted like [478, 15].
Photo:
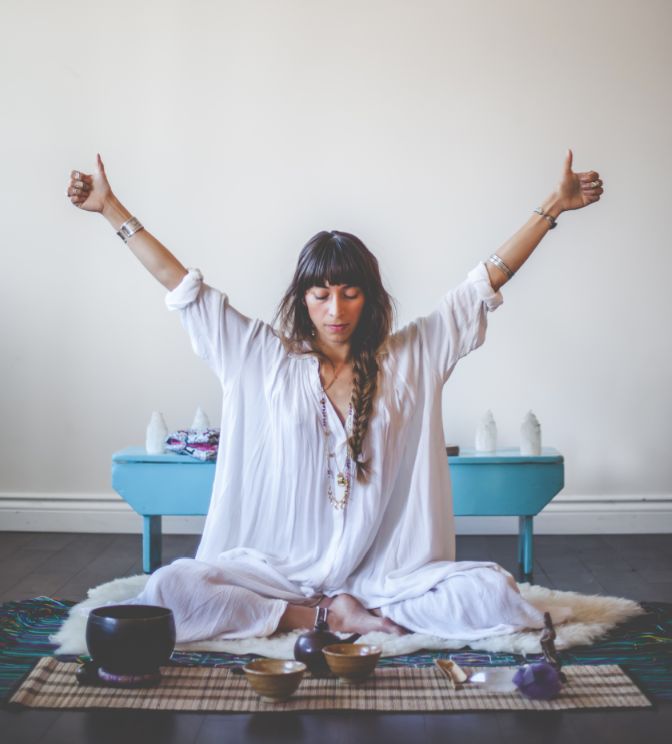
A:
[351, 294]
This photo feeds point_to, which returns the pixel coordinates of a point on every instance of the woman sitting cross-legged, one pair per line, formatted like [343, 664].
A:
[332, 485]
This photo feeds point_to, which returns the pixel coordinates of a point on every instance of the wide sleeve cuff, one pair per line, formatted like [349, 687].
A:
[186, 291]
[480, 280]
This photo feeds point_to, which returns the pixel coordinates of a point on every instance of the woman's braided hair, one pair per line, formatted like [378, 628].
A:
[341, 258]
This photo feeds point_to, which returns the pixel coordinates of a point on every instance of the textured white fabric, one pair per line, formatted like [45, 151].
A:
[590, 618]
[208, 603]
[270, 526]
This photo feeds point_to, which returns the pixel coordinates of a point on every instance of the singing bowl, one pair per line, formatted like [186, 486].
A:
[130, 639]
[352, 661]
[274, 679]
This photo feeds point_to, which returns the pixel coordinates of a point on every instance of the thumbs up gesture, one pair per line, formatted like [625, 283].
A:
[576, 190]
[90, 191]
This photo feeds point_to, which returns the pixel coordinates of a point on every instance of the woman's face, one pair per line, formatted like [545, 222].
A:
[335, 311]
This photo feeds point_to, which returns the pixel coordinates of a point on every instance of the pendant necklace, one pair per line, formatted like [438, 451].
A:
[344, 474]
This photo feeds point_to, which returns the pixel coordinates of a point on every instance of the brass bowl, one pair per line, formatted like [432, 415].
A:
[274, 679]
[352, 661]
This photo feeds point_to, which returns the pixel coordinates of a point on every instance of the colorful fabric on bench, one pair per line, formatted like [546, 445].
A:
[202, 445]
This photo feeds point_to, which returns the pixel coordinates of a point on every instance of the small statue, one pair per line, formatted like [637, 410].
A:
[486, 434]
[530, 435]
[201, 422]
[157, 432]
[547, 641]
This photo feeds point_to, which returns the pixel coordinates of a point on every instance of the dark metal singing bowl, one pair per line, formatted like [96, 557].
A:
[130, 639]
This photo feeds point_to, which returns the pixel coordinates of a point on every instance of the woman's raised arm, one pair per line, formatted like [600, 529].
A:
[92, 193]
[575, 190]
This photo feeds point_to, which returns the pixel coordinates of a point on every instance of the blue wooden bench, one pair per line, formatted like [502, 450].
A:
[502, 483]
[506, 483]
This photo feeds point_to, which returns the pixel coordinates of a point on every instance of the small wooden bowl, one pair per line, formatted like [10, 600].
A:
[274, 679]
[352, 661]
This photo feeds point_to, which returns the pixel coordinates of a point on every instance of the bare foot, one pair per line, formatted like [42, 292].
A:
[348, 615]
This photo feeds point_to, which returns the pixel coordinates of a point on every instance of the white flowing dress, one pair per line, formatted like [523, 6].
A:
[272, 536]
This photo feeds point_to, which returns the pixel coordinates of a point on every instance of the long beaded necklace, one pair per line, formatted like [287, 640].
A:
[344, 475]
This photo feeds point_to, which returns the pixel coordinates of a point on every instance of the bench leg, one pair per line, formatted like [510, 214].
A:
[151, 543]
[525, 548]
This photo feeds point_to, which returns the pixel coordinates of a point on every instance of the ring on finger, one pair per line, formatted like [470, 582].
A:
[594, 184]
[78, 184]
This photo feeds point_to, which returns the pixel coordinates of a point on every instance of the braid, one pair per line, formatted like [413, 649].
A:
[365, 379]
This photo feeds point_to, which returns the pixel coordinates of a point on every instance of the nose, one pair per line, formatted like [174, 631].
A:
[335, 307]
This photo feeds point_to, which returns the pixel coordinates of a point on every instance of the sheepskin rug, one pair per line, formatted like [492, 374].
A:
[591, 618]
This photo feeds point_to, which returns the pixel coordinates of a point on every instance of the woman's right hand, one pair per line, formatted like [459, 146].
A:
[90, 192]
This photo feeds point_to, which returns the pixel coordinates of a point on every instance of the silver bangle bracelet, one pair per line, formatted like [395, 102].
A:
[497, 261]
[129, 228]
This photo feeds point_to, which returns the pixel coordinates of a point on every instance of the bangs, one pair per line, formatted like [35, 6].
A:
[335, 258]
[332, 262]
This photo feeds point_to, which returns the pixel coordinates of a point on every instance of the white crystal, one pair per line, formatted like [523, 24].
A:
[157, 431]
[486, 433]
[530, 435]
[201, 422]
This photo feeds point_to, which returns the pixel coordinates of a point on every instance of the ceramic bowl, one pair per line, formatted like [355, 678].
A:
[130, 639]
[274, 679]
[352, 661]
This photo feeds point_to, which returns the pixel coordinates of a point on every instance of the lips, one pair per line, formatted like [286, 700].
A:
[337, 328]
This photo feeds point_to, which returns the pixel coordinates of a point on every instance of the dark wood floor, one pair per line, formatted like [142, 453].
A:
[67, 565]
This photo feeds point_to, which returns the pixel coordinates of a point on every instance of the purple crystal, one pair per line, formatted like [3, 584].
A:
[538, 681]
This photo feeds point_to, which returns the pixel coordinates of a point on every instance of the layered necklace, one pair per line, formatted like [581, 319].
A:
[344, 474]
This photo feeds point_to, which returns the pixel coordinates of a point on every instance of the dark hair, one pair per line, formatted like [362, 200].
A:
[341, 258]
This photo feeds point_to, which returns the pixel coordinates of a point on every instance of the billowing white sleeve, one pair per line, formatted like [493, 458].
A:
[219, 334]
[458, 325]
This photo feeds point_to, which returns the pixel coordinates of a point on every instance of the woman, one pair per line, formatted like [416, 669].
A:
[331, 486]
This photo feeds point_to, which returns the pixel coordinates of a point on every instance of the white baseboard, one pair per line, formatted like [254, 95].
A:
[585, 515]
[566, 515]
[99, 512]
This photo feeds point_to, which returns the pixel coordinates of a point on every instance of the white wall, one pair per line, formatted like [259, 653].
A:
[236, 130]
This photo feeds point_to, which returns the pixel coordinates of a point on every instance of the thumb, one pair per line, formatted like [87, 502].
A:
[568, 161]
[99, 164]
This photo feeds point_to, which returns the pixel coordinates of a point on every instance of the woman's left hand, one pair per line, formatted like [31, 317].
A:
[577, 190]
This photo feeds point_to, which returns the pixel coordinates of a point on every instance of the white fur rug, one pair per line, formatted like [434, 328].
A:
[592, 616]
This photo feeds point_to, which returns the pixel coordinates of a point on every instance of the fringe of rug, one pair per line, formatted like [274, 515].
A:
[25, 628]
